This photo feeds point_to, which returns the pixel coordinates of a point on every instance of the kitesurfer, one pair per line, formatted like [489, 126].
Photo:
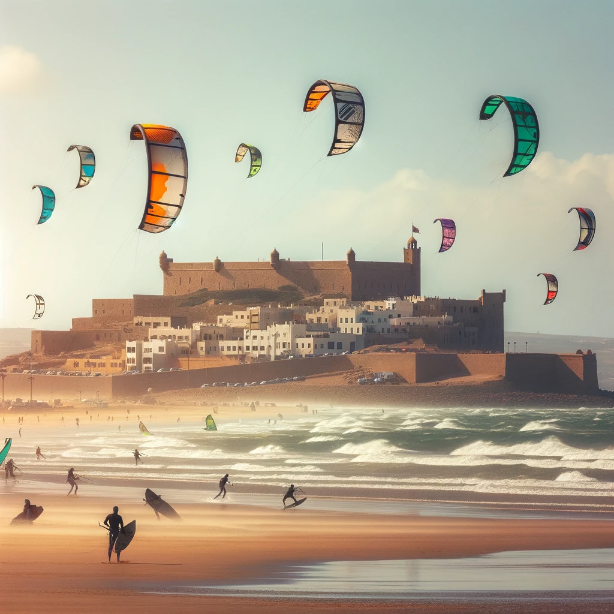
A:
[39, 454]
[9, 470]
[137, 456]
[225, 480]
[290, 494]
[71, 478]
[115, 523]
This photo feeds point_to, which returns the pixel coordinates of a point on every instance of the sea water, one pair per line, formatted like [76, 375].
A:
[567, 453]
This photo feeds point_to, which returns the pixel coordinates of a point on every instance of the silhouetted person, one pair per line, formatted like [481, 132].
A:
[225, 480]
[137, 456]
[115, 523]
[39, 454]
[71, 478]
[9, 470]
[290, 494]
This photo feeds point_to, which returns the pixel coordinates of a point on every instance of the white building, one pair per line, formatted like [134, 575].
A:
[147, 356]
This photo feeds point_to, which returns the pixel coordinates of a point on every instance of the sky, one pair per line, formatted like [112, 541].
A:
[223, 73]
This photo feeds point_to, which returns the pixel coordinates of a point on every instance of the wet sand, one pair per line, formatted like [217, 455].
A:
[58, 564]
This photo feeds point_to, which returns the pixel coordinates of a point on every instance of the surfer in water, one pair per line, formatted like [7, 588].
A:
[39, 454]
[290, 494]
[115, 523]
[225, 480]
[71, 478]
[137, 456]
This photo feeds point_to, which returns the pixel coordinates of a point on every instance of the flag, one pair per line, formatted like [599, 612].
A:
[414, 230]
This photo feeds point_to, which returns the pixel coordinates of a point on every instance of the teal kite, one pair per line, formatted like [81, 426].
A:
[526, 129]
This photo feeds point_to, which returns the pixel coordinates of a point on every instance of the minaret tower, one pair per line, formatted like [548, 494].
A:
[411, 255]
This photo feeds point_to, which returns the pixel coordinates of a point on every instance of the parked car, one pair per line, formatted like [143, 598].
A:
[163, 370]
[205, 386]
[365, 381]
[218, 384]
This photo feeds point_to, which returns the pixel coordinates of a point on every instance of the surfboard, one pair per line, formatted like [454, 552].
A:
[287, 507]
[36, 512]
[5, 450]
[160, 505]
[124, 539]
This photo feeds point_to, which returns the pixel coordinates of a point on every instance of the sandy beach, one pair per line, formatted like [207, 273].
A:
[58, 564]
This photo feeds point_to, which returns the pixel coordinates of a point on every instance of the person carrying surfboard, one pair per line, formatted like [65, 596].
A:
[225, 480]
[72, 478]
[290, 494]
[116, 524]
[28, 511]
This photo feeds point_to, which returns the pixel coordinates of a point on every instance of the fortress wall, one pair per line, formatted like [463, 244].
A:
[331, 277]
[134, 385]
[403, 364]
[119, 308]
[360, 280]
[48, 387]
[52, 342]
[104, 322]
[484, 364]
[571, 373]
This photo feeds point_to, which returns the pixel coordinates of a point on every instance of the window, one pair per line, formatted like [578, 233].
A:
[95, 312]
[147, 361]
[331, 345]
[165, 323]
[234, 348]
[147, 350]
[351, 330]
[321, 346]
[339, 345]
[351, 320]
[262, 348]
[129, 350]
[247, 348]
[302, 345]
[461, 310]
[161, 350]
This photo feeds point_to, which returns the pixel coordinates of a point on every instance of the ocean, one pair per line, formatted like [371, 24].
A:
[516, 452]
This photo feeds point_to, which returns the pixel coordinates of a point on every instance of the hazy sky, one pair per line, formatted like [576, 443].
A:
[226, 72]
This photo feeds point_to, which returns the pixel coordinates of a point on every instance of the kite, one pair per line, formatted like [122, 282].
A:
[448, 228]
[553, 287]
[349, 112]
[5, 449]
[210, 422]
[526, 129]
[39, 307]
[88, 164]
[143, 429]
[587, 227]
[48, 203]
[256, 158]
[167, 161]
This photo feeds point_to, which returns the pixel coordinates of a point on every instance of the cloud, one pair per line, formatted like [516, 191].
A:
[20, 70]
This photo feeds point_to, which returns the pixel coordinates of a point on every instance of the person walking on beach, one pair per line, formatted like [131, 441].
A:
[225, 480]
[116, 524]
[39, 454]
[137, 456]
[71, 478]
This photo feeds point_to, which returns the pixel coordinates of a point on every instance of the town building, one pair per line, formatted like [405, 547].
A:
[147, 356]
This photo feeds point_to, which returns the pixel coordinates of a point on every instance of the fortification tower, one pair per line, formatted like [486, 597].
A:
[411, 255]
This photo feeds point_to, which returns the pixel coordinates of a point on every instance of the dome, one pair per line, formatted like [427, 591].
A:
[274, 252]
[217, 263]
[351, 256]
